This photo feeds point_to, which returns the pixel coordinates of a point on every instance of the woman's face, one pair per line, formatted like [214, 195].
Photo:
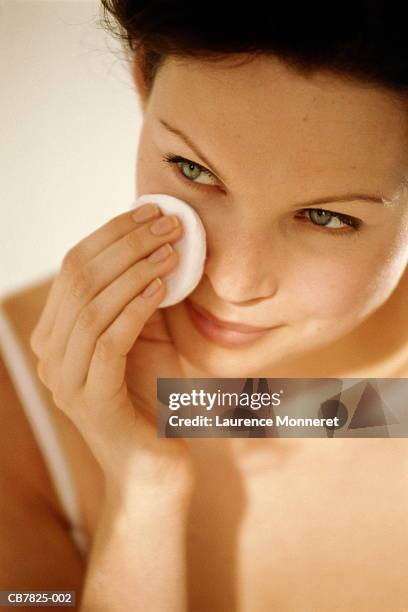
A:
[272, 145]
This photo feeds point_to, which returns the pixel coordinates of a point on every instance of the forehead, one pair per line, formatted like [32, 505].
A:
[284, 123]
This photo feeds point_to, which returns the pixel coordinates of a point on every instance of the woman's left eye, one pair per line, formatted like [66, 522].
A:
[190, 170]
[330, 220]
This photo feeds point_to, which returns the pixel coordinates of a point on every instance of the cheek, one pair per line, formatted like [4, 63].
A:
[324, 291]
[346, 288]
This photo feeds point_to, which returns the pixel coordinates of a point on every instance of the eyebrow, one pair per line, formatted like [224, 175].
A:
[317, 201]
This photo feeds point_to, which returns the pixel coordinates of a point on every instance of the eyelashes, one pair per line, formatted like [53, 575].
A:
[350, 224]
[172, 159]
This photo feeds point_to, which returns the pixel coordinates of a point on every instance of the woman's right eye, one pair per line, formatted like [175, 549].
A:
[189, 170]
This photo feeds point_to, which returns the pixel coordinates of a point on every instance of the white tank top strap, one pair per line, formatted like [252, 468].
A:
[43, 429]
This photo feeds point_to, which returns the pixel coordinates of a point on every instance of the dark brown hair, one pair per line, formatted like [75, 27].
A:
[366, 40]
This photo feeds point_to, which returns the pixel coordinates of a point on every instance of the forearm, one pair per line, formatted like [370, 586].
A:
[138, 557]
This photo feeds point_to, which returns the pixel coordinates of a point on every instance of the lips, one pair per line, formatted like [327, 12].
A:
[223, 333]
[239, 327]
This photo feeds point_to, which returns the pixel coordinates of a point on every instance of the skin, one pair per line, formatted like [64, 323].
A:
[276, 141]
[95, 318]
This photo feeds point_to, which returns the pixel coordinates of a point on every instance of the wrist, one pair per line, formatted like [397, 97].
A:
[145, 515]
[148, 495]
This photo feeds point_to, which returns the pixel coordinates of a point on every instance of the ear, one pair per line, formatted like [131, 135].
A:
[138, 63]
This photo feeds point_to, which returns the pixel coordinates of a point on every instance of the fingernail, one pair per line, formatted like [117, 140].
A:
[148, 211]
[152, 288]
[161, 253]
[163, 225]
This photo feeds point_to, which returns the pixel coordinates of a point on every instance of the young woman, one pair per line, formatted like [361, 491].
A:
[287, 132]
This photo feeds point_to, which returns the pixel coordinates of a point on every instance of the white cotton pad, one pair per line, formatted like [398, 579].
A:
[191, 247]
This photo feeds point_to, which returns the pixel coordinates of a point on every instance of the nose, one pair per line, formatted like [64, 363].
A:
[240, 271]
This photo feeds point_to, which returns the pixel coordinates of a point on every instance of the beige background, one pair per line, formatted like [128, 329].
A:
[70, 123]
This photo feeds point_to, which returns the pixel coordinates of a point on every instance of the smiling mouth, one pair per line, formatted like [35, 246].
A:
[239, 327]
[224, 333]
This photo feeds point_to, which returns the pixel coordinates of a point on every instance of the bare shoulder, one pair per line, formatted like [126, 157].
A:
[36, 550]
[18, 446]
[23, 307]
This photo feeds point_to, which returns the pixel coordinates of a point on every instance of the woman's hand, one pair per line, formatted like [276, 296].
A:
[96, 312]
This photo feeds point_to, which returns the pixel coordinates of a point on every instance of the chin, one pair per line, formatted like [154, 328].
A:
[212, 365]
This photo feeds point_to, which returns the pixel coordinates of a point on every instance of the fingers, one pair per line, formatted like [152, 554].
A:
[75, 259]
[93, 327]
[108, 364]
[100, 272]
